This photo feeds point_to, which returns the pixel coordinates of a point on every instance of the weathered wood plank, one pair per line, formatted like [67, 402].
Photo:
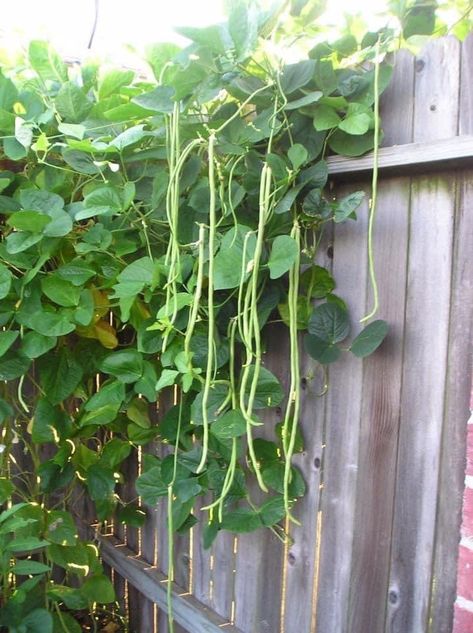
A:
[189, 612]
[259, 558]
[380, 418]
[342, 436]
[301, 564]
[397, 102]
[459, 364]
[466, 91]
[456, 151]
[223, 574]
[425, 349]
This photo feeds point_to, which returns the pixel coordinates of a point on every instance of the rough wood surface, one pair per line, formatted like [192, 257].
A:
[458, 383]
[380, 418]
[425, 349]
[456, 151]
[342, 436]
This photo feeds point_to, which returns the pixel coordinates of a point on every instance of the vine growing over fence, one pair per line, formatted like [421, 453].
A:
[152, 230]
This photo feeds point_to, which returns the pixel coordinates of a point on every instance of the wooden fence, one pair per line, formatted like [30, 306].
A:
[384, 449]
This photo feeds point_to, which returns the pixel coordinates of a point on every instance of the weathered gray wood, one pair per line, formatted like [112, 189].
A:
[189, 613]
[301, 564]
[259, 559]
[397, 102]
[342, 436]
[201, 572]
[466, 92]
[459, 371]
[380, 418]
[425, 349]
[456, 151]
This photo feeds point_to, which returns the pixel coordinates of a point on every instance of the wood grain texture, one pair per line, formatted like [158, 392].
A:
[191, 615]
[458, 382]
[459, 364]
[259, 559]
[425, 345]
[456, 151]
[466, 91]
[397, 102]
[342, 435]
[427, 318]
[380, 418]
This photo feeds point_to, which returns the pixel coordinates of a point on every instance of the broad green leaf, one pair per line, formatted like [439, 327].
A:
[13, 366]
[317, 282]
[243, 28]
[150, 486]
[237, 243]
[419, 19]
[269, 392]
[216, 400]
[38, 200]
[6, 340]
[46, 62]
[19, 242]
[71, 597]
[295, 76]
[283, 256]
[111, 82]
[231, 424]
[8, 92]
[357, 123]
[325, 118]
[72, 129]
[272, 511]
[23, 132]
[6, 486]
[329, 323]
[34, 345]
[347, 206]
[349, 145]
[50, 423]
[115, 452]
[158, 55]
[6, 411]
[100, 482]
[126, 365]
[60, 291]
[132, 515]
[158, 100]
[77, 272]
[29, 221]
[242, 520]
[306, 100]
[128, 137]
[60, 528]
[51, 323]
[38, 621]
[71, 103]
[101, 415]
[80, 161]
[105, 196]
[98, 589]
[298, 155]
[27, 544]
[370, 338]
[111, 393]
[60, 374]
[286, 202]
[322, 351]
[167, 379]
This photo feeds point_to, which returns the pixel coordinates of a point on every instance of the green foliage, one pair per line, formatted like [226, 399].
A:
[151, 229]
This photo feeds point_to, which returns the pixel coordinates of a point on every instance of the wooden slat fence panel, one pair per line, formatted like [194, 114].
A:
[384, 450]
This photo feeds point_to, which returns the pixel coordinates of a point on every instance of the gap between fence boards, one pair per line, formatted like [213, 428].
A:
[397, 159]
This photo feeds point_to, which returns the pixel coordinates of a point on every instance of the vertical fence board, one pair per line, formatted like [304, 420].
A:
[456, 415]
[380, 418]
[458, 379]
[427, 318]
[342, 436]
[397, 102]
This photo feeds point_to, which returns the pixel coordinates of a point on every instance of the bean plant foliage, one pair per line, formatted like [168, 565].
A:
[152, 230]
